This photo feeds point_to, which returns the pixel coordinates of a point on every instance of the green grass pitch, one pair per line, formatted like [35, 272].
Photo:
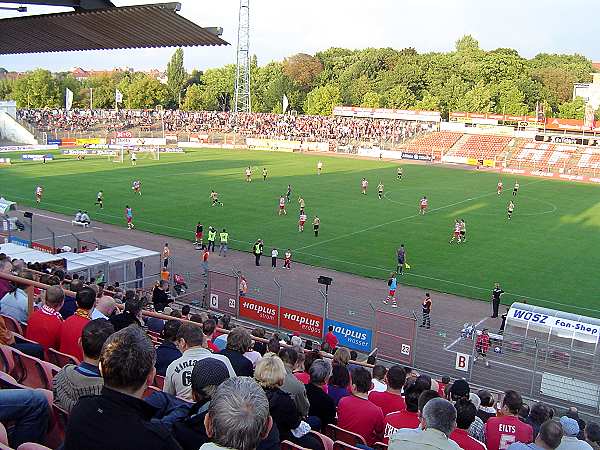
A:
[547, 254]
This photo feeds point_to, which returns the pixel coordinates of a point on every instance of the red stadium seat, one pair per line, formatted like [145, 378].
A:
[339, 434]
[340, 445]
[287, 445]
[380, 446]
[9, 365]
[12, 324]
[151, 390]
[57, 427]
[159, 381]
[32, 446]
[37, 373]
[325, 440]
[61, 359]
[8, 382]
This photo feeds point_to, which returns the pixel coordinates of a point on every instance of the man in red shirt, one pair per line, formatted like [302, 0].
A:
[391, 400]
[331, 339]
[409, 417]
[356, 413]
[70, 333]
[502, 431]
[44, 324]
[465, 415]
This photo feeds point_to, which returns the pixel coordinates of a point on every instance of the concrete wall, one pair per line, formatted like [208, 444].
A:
[11, 130]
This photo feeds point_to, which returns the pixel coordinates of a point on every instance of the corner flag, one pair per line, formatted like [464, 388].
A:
[68, 99]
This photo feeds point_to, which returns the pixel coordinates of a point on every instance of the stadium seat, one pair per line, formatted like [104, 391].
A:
[36, 373]
[341, 445]
[159, 381]
[32, 446]
[3, 435]
[58, 425]
[12, 324]
[8, 382]
[339, 434]
[151, 390]
[325, 440]
[61, 359]
[287, 445]
[9, 365]
[380, 446]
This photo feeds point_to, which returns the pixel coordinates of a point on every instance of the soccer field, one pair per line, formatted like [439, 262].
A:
[547, 254]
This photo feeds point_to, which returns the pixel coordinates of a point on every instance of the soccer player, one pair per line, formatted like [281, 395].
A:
[516, 189]
[364, 184]
[282, 206]
[39, 191]
[287, 261]
[482, 345]
[100, 199]
[214, 197]
[274, 255]
[380, 190]
[136, 186]
[264, 174]
[319, 167]
[248, 174]
[301, 221]
[426, 306]
[423, 204]
[288, 193]
[463, 230]
[301, 202]
[316, 225]
[399, 173]
[509, 209]
[199, 234]
[499, 187]
[133, 158]
[392, 285]
[129, 217]
[456, 233]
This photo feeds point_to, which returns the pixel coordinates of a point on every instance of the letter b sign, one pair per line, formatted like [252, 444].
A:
[462, 362]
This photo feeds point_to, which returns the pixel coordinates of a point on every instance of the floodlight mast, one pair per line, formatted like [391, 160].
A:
[241, 100]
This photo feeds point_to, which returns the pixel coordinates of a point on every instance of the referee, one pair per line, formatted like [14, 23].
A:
[496, 294]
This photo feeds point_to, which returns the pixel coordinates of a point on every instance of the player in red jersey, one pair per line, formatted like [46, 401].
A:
[499, 187]
[423, 204]
[482, 345]
[301, 220]
[136, 187]
[282, 206]
[502, 431]
[456, 234]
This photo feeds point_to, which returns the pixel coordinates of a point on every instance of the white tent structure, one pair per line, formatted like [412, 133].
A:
[126, 264]
[29, 255]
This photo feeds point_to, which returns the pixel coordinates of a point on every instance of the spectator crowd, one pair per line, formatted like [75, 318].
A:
[129, 381]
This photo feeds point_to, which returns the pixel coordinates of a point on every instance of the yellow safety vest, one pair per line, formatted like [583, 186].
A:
[224, 237]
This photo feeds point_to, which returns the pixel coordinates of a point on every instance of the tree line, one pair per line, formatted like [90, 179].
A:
[466, 79]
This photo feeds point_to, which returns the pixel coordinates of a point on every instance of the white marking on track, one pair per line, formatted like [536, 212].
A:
[63, 235]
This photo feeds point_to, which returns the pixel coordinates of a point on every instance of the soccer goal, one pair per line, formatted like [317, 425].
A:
[119, 155]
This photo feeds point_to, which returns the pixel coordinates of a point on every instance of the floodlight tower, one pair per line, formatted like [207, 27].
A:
[241, 101]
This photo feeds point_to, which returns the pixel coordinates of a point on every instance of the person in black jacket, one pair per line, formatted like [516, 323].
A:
[167, 351]
[118, 417]
[160, 298]
[270, 373]
[131, 315]
[239, 342]
[321, 404]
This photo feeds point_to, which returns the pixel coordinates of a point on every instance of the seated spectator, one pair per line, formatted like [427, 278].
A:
[391, 400]
[331, 339]
[78, 216]
[190, 340]
[185, 312]
[176, 314]
[45, 323]
[154, 324]
[5, 285]
[15, 303]
[273, 346]
[569, 439]
[539, 414]
[461, 389]
[321, 404]
[167, 351]
[438, 421]
[341, 356]
[465, 415]
[253, 355]
[85, 218]
[592, 435]
[291, 384]
[160, 298]
[574, 414]
[442, 385]
[238, 343]
[238, 416]
[71, 330]
[105, 308]
[73, 382]
[208, 328]
[132, 313]
[507, 427]
[337, 387]
[28, 412]
[409, 417]
[309, 359]
[548, 438]
[118, 417]
[486, 409]
[270, 374]
[260, 347]
[356, 413]
[378, 379]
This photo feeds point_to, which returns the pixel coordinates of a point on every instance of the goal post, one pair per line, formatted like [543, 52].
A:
[118, 155]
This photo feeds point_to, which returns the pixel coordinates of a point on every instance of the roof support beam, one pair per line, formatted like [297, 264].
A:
[76, 4]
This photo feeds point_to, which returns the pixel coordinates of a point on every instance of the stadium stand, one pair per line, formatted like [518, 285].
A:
[439, 142]
[542, 156]
[481, 147]
[22, 375]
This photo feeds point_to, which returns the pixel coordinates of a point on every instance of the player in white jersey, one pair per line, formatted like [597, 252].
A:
[248, 174]
[516, 189]
[282, 206]
[509, 209]
[39, 191]
[456, 233]
[423, 204]
[319, 167]
[301, 220]
[100, 199]
[380, 190]
[364, 184]
[136, 186]
[499, 187]
[133, 158]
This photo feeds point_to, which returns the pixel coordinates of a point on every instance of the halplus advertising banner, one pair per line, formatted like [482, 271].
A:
[351, 336]
[258, 311]
[301, 322]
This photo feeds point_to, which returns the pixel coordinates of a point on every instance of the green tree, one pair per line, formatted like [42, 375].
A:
[6, 89]
[429, 102]
[176, 76]
[216, 82]
[467, 43]
[399, 97]
[103, 91]
[303, 69]
[572, 110]
[321, 100]
[37, 89]
[193, 98]
[371, 100]
[146, 92]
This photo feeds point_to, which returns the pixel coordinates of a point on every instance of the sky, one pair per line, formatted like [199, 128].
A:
[280, 28]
